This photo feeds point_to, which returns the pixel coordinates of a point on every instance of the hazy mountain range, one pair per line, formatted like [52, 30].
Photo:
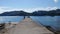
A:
[35, 13]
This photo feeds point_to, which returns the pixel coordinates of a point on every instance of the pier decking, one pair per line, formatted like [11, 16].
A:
[28, 26]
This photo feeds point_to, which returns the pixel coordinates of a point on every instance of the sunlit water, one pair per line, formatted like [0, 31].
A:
[53, 21]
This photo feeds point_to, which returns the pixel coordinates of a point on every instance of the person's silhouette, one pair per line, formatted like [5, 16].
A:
[24, 17]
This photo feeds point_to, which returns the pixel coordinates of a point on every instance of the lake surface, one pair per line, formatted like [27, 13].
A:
[53, 21]
[8, 19]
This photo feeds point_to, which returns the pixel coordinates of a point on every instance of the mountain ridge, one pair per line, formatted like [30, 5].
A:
[35, 13]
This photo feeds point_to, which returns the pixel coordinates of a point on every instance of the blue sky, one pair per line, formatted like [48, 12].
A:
[28, 5]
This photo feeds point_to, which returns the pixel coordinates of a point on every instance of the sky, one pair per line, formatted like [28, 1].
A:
[28, 5]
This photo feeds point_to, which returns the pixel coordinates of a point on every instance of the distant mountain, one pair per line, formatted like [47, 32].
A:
[14, 13]
[47, 13]
[35, 13]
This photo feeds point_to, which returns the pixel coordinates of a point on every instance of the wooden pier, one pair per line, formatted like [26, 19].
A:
[28, 26]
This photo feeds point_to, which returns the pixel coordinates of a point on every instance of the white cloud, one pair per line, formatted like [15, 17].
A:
[55, 1]
[41, 8]
[4, 9]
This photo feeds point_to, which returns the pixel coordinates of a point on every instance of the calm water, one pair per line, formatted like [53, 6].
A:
[54, 22]
[7, 19]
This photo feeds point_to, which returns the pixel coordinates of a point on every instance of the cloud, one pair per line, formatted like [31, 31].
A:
[55, 1]
[41, 8]
[5, 9]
